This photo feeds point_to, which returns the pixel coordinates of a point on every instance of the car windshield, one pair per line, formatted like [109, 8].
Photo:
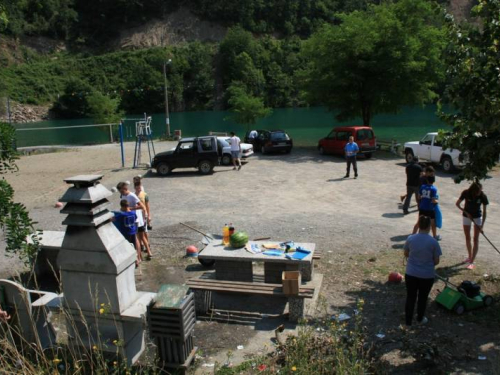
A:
[223, 142]
[279, 137]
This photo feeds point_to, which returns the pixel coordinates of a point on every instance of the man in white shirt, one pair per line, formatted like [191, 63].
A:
[235, 150]
[253, 134]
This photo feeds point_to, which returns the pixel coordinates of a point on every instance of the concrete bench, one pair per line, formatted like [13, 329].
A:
[204, 285]
[392, 146]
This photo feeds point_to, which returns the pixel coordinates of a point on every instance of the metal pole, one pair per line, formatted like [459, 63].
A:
[120, 132]
[8, 110]
[111, 133]
[167, 118]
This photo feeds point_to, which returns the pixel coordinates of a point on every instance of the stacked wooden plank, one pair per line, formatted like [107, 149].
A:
[171, 320]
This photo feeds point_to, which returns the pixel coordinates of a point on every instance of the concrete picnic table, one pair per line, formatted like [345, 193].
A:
[236, 264]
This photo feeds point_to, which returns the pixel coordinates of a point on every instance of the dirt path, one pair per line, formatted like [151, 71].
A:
[357, 224]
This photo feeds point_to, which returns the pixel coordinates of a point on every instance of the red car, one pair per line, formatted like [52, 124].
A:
[335, 142]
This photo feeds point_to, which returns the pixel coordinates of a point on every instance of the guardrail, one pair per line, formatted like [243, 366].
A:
[392, 145]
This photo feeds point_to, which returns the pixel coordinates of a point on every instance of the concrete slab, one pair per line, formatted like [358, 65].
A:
[219, 251]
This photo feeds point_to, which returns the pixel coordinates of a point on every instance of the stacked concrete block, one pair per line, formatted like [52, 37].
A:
[97, 271]
[233, 270]
[171, 321]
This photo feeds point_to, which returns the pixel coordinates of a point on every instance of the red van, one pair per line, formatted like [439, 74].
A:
[335, 142]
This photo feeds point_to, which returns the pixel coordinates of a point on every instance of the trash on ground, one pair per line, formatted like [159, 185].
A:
[341, 317]
[380, 335]
[240, 347]
[208, 365]
[482, 357]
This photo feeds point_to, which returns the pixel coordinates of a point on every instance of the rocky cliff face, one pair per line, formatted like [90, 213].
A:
[20, 113]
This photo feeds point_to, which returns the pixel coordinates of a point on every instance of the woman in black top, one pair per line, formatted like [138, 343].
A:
[474, 198]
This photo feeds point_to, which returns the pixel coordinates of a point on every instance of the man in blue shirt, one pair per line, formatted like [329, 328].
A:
[351, 149]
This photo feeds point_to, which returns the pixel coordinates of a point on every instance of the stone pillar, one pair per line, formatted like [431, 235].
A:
[97, 271]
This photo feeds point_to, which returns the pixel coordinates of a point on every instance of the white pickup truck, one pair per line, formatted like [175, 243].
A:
[429, 149]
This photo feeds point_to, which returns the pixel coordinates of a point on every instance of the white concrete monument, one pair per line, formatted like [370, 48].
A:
[97, 271]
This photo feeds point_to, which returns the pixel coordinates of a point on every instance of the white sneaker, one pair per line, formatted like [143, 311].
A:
[423, 321]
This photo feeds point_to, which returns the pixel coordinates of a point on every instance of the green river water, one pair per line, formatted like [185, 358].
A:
[305, 125]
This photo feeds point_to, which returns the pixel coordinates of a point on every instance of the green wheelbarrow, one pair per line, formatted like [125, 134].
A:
[458, 299]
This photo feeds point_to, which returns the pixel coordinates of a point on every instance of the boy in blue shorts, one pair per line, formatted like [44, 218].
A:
[428, 199]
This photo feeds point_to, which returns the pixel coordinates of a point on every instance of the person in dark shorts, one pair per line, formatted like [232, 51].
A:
[413, 174]
[125, 222]
[422, 252]
[351, 149]
[427, 200]
[473, 215]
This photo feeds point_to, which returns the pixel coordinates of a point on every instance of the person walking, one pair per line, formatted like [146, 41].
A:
[351, 150]
[235, 150]
[472, 214]
[413, 173]
[427, 200]
[422, 253]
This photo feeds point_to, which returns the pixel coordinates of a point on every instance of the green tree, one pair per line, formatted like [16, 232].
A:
[103, 109]
[473, 58]
[15, 222]
[376, 61]
[245, 108]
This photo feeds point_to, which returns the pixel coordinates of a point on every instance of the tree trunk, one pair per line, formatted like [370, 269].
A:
[366, 113]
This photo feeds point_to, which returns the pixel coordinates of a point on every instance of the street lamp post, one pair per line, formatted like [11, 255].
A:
[167, 118]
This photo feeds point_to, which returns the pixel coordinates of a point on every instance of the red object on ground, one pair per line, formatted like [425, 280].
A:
[58, 205]
[395, 277]
[191, 251]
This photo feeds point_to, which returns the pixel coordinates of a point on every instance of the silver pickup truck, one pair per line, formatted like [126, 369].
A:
[429, 149]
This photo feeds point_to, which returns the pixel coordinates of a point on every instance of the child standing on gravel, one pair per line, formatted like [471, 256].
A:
[143, 237]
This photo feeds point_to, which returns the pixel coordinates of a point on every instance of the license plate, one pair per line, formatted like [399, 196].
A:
[282, 144]
[365, 144]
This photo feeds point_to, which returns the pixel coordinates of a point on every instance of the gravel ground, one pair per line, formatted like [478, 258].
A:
[300, 196]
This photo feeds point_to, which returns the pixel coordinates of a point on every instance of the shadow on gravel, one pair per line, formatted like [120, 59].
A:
[393, 215]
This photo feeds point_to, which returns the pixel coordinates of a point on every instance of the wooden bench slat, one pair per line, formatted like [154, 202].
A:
[249, 286]
[248, 291]
[239, 283]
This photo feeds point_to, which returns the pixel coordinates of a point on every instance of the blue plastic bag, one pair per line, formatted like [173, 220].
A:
[439, 216]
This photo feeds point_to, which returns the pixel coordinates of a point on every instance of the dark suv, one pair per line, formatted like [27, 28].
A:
[270, 141]
[200, 153]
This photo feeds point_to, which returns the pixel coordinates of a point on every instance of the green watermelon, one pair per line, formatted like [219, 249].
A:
[238, 239]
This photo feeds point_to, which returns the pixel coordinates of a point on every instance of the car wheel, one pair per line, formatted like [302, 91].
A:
[205, 167]
[459, 308]
[263, 150]
[322, 151]
[163, 169]
[368, 155]
[409, 156]
[487, 300]
[226, 159]
[447, 164]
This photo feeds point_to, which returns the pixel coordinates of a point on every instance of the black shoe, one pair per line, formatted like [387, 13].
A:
[406, 212]
[346, 176]
[356, 175]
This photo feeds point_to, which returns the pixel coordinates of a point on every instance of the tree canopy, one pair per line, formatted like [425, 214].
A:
[473, 57]
[246, 109]
[376, 61]
[15, 222]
